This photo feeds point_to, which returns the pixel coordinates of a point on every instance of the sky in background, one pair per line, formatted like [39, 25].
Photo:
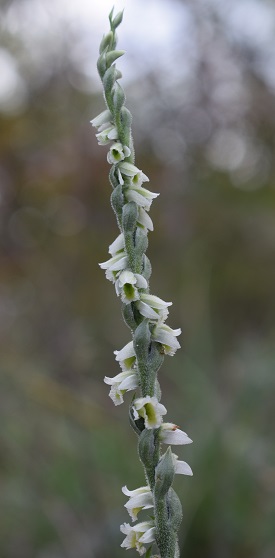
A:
[153, 34]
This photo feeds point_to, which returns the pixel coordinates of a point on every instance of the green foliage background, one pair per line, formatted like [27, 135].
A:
[65, 450]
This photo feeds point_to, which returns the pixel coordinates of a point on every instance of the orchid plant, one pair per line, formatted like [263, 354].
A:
[145, 314]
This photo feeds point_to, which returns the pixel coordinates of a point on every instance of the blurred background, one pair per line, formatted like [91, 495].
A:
[200, 82]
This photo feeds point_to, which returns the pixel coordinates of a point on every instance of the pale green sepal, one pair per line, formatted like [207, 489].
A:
[148, 450]
[101, 65]
[124, 126]
[118, 97]
[156, 358]
[109, 78]
[142, 340]
[165, 472]
[117, 202]
[113, 55]
[129, 317]
[175, 508]
[146, 267]
[141, 241]
[111, 16]
[112, 177]
[106, 42]
[129, 217]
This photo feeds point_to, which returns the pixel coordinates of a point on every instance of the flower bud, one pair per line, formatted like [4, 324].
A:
[113, 55]
[117, 20]
[118, 97]
[106, 41]
[101, 65]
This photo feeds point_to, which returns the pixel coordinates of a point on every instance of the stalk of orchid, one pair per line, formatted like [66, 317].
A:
[145, 314]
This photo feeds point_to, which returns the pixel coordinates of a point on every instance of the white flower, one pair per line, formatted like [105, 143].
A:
[171, 434]
[141, 196]
[125, 381]
[126, 357]
[131, 171]
[153, 307]
[117, 245]
[117, 153]
[140, 499]
[144, 219]
[107, 134]
[138, 535]
[150, 410]
[167, 337]
[127, 286]
[104, 117]
[114, 264]
[181, 467]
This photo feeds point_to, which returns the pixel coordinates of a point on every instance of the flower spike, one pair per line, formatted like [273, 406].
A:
[129, 268]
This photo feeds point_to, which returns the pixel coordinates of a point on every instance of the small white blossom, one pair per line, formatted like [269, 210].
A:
[150, 410]
[125, 381]
[117, 245]
[138, 535]
[144, 219]
[127, 286]
[153, 307]
[114, 264]
[141, 196]
[131, 171]
[117, 153]
[140, 499]
[171, 434]
[165, 335]
[104, 117]
[107, 135]
[181, 467]
[126, 357]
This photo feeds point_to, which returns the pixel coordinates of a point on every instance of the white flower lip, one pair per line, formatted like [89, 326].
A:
[117, 245]
[103, 118]
[138, 535]
[122, 382]
[165, 335]
[150, 410]
[141, 196]
[107, 134]
[181, 467]
[117, 153]
[171, 434]
[126, 352]
[127, 285]
[128, 169]
[116, 263]
[153, 307]
[139, 499]
[144, 219]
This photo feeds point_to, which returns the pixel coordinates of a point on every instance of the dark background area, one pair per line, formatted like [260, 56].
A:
[203, 122]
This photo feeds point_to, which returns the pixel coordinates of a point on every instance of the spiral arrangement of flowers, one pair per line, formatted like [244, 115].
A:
[145, 314]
